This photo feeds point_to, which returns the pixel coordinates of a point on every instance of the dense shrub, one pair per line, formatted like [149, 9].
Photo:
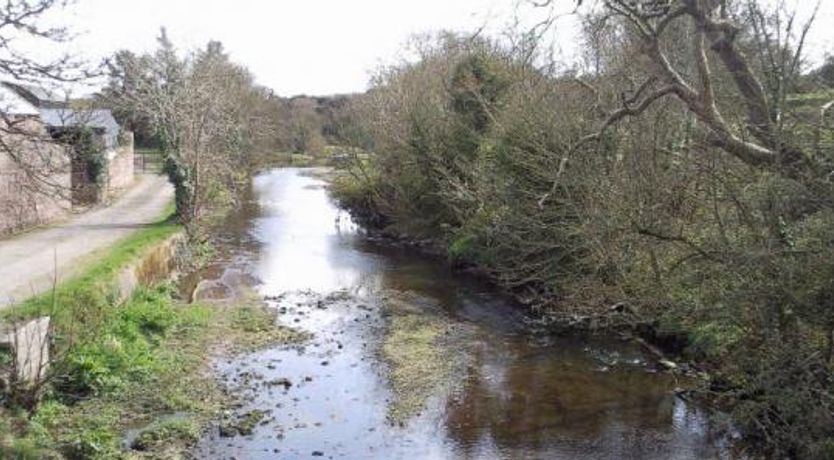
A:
[474, 147]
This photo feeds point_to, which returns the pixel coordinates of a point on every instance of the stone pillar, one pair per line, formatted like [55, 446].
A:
[29, 346]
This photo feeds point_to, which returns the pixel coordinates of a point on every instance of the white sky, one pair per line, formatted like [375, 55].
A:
[307, 46]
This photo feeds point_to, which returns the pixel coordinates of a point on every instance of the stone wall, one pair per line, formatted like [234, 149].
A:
[157, 264]
[26, 201]
[28, 342]
[121, 165]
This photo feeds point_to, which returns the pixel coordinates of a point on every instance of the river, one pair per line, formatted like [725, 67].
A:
[509, 394]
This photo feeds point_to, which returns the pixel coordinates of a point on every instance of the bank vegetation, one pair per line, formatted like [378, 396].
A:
[676, 184]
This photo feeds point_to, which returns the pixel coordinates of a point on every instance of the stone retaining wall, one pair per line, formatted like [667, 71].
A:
[158, 264]
[28, 342]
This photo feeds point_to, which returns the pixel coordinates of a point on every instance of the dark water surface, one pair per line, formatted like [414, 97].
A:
[518, 397]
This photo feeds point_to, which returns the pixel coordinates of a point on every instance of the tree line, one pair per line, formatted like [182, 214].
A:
[213, 124]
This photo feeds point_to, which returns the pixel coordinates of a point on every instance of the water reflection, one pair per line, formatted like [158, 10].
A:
[304, 238]
[520, 399]
[571, 398]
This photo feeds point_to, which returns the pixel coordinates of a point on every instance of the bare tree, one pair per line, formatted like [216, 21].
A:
[200, 107]
[34, 162]
[716, 50]
[697, 212]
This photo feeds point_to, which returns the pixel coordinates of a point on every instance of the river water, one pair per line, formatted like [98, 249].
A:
[516, 395]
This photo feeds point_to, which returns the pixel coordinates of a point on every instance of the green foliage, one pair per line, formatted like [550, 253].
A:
[129, 363]
[181, 175]
[6, 357]
[477, 86]
[19, 447]
[471, 159]
[122, 349]
[253, 319]
[205, 111]
[462, 247]
[714, 340]
[729, 263]
[85, 297]
[177, 430]
[358, 195]
[93, 155]
[115, 364]
[92, 441]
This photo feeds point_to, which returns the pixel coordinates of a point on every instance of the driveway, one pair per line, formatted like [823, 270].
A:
[28, 262]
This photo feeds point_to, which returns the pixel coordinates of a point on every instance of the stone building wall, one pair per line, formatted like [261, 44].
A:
[120, 165]
[27, 202]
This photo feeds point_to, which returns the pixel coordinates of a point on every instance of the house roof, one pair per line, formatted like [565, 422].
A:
[36, 95]
[11, 103]
[99, 119]
[24, 99]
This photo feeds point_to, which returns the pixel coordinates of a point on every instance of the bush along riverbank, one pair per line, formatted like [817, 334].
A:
[648, 228]
[130, 375]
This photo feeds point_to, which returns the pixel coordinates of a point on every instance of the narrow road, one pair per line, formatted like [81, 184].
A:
[28, 262]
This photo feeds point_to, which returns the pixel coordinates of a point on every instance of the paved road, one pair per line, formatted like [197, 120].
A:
[27, 262]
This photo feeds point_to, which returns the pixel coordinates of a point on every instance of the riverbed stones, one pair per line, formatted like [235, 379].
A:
[243, 425]
[283, 382]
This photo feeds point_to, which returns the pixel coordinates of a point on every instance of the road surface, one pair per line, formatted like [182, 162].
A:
[28, 261]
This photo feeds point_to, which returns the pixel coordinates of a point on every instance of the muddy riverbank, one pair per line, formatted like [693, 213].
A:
[409, 360]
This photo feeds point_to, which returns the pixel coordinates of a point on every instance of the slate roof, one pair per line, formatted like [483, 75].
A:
[37, 96]
[101, 119]
[12, 103]
[30, 100]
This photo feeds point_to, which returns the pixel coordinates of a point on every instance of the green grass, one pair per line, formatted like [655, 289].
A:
[147, 361]
[118, 366]
[142, 362]
[135, 361]
[166, 431]
[92, 285]
[302, 160]
[419, 350]
[99, 350]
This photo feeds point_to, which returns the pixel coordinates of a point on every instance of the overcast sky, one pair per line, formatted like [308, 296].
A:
[303, 46]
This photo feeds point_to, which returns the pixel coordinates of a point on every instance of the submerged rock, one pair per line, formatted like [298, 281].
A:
[244, 425]
[284, 382]
[211, 291]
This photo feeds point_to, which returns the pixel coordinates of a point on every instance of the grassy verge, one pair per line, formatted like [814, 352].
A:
[97, 275]
[149, 363]
[140, 367]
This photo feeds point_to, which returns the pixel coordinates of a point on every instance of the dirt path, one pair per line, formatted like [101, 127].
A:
[28, 262]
